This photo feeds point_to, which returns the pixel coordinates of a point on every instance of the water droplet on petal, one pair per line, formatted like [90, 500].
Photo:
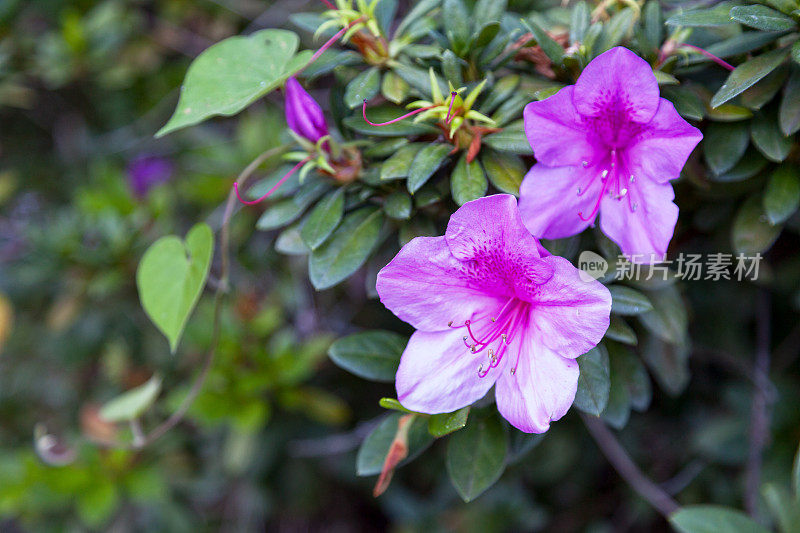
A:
[634, 207]
[585, 164]
[633, 178]
[604, 174]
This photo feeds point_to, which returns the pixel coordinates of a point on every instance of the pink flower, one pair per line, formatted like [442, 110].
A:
[303, 113]
[607, 144]
[491, 306]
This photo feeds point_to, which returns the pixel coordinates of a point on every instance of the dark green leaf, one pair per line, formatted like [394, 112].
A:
[404, 128]
[505, 171]
[618, 408]
[416, 227]
[323, 219]
[419, 79]
[372, 454]
[549, 46]
[718, 15]
[627, 301]
[385, 11]
[668, 363]
[796, 475]
[789, 113]
[724, 145]
[511, 139]
[653, 24]
[487, 11]
[594, 381]
[614, 30]
[485, 35]
[501, 90]
[468, 181]
[329, 60]
[372, 355]
[394, 88]
[288, 210]
[580, 21]
[289, 241]
[620, 331]
[752, 232]
[363, 87]
[762, 18]
[687, 103]
[397, 166]
[425, 163]
[713, 519]
[451, 67]
[748, 166]
[668, 318]
[419, 10]
[232, 74]
[347, 249]
[455, 18]
[762, 92]
[385, 148]
[728, 113]
[476, 456]
[446, 423]
[768, 137]
[782, 506]
[748, 74]
[398, 205]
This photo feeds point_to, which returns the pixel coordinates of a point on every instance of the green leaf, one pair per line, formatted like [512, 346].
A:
[505, 171]
[782, 506]
[363, 87]
[289, 242]
[288, 210]
[668, 363]
[653, 24]
[796, 475]
[687, 103]
[718, 15]
[724, 145]
[549, 46]
[501, 91]
[762, 92]
[768, 137]
[748, 166]
[468, 181]
[131, 404]
[668, 319]
[234, 73]
[511, 139]
[485, 34]
[594, 381]
[752, 232]
[425, 163]
[419, 10]
[476, 456]
[404, 128]
[347, 249]
[372, 355]
[323, 219]
[579, 22]
[394, 88]
[614, 30]
[762, 18]
[372, 454]
[626, 301]
[728, 113]
[789, 112]
[393, 404]
[455, 18]
[620, 331]
[446, 423]
[748, 74]
[171, 277]
[398, 205]
[487, 11]
[713, 519]
[398, 165]
[451, 67]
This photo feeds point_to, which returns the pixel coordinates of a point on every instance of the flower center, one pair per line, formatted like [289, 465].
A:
[615, 179]
[493, 335]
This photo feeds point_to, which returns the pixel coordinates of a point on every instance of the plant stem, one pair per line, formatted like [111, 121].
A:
[626, 468]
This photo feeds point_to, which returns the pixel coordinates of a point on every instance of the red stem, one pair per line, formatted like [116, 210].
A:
[329, 42]
[711, 56]
[274, 187]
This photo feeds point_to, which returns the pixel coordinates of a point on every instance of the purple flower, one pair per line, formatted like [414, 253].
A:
[491, 306]
[607, 144]
[303, 113]
[146, 171]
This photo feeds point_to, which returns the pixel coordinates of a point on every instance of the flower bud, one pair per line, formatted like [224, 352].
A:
[303, 113]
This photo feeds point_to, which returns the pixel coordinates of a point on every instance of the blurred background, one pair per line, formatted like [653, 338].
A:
[270, 444]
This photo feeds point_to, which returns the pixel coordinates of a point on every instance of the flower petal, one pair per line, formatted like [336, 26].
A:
[488, 224]
[541, 389]
[642, 234]
[570, 314]
[617, 82]
[438, 374]
[660, 151]
[549, 202]
[424, 285]
[556, 131]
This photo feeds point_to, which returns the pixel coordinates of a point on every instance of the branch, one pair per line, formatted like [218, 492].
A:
[626, 468]
[759, 414]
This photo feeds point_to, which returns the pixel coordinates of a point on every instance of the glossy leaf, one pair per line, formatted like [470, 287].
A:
[627, 301]
[425, 163]
[171, 277]
[505, 171]
[347, 249]
[789, 112]
[476, 456]
[768, 138]
[620, 331]
[373, 450]
[752, 232]
[762, 18]
[323, 219]
[594, 381]
[398, 165]
[713, 519]
[724, 145]
[511, 139]
[372, 355]
[363, 87]
[748, 74]
[398, 205]
[446, 423]
[468, 181]
[718, 15]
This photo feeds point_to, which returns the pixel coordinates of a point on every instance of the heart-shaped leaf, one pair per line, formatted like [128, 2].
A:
[232, 74]
[171, 276]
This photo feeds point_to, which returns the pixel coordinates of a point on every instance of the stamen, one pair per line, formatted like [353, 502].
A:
[450, 109]
[398, 119]
[274, 187]
[604, 174]
[330, 6]
[712, 57]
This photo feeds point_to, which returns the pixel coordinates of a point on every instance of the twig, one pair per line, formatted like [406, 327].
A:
[626, 468]
[759, 414]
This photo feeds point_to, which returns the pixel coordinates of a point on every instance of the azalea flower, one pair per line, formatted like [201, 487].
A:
[303, 113]
[491, 307]
[610, 145]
